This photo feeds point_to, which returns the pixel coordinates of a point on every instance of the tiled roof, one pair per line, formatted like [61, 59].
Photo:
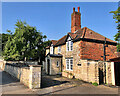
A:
[82, 33]
[61, 41]
[54, 42]
[94, 35]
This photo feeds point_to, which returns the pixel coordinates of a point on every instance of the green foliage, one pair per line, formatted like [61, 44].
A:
[25, 42]
[118, 48]
[95, 84]
[116, 16]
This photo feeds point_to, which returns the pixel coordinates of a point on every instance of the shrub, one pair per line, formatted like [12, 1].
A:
[95, 84]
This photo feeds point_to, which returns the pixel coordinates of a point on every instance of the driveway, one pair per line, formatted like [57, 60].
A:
[61, 85]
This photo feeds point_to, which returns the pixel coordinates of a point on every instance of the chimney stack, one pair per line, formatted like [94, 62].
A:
[75, 20]
[73, 9]
[78, 9]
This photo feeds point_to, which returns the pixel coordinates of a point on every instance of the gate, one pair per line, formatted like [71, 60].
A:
[101, 76]
[117, 73]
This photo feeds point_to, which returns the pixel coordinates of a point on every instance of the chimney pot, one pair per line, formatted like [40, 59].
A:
[78, 9]
[73, 9]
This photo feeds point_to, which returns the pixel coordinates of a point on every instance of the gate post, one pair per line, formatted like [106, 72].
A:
[113, 73]
[35, 76]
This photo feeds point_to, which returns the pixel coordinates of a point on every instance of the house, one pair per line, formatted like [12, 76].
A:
[82, 54]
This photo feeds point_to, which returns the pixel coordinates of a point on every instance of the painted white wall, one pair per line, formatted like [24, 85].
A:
[113, 73]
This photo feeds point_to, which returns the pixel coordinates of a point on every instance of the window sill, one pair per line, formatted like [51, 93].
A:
[68, 70]
[69, 51]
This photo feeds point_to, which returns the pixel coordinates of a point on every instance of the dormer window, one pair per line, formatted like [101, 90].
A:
[59, 49]
[51, 49]
[69, 44]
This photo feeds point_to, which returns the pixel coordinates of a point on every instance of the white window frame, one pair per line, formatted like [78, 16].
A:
[51, 50]
[69, 64]
[59, 49]
[69, 45]
[57, 63]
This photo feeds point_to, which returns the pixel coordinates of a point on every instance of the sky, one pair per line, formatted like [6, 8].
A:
[53, 19]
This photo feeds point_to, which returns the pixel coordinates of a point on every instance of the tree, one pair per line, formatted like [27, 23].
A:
[4, 39]
[26, 42]
[116, 16]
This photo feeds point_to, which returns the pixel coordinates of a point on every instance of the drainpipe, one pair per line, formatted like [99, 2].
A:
[104, 57]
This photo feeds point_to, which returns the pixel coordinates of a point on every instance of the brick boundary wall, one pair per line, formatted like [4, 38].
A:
[29, 76]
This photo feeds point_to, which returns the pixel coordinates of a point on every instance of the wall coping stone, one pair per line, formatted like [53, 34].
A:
[35, 65]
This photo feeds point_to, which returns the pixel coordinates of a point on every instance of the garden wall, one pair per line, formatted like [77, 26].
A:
[29, 76]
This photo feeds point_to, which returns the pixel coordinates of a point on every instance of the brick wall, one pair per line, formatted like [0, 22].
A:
[75, 20]
[94, 51]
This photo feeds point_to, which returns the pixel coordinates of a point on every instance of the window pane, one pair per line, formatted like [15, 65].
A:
[67, 63]
[68, 46]
[71, 64]
[60, 49]
[71, 45]
[57, 64]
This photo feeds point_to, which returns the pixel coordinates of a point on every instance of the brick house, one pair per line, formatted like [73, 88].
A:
[80, 54]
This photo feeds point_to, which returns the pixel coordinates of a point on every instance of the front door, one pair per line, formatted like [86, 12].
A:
[100, 76]
[48, 66]
[117, 73]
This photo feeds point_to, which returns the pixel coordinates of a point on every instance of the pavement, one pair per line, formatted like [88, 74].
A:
[52, 85]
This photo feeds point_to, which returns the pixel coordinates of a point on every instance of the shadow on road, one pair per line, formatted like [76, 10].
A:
[6, 78]
[48, 81]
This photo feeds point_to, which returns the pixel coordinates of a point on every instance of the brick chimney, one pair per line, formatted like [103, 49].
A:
[75, 20]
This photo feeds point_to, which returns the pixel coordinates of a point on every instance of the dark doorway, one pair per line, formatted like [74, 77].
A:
[117, 73]
[100, 76]
[48, 66]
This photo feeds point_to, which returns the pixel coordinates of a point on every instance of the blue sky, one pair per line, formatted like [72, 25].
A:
[54, 19]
